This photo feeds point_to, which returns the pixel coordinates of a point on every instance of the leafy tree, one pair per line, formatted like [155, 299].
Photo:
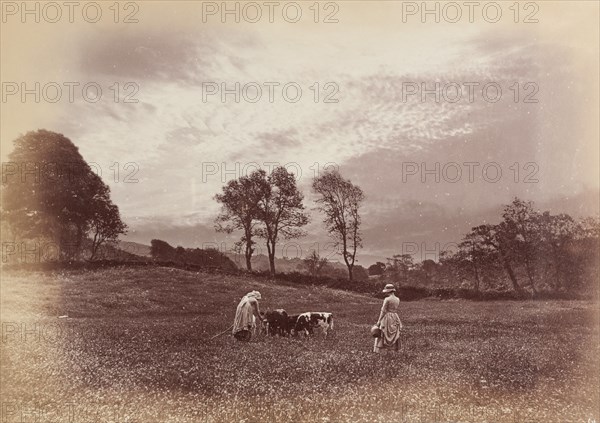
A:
[340, 201]
[50, 192]
[161, 250]
[106, 225]
[492, 238]
[240, 209]
[377, 269]
[522, 233]
[280, 210]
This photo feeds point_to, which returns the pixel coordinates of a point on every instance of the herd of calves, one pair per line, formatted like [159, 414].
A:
[278, 322]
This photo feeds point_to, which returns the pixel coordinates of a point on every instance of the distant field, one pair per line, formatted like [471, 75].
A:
[134, 348]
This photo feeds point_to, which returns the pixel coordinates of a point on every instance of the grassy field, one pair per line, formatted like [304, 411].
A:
[136, 347]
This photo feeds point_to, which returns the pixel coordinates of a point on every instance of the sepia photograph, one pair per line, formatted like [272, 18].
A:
[309, 211]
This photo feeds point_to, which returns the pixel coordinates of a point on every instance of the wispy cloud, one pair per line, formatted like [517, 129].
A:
[171, 132]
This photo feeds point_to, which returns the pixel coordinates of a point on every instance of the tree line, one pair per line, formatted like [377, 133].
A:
[528, 251]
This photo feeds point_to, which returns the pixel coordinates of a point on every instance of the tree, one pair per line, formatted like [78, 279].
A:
[492, 237]
[280, 210]
[359, 273]
[552, 251]
[240, 209]
[558, 232]
[106, 225]
[521, 231]
[377, 269]
[399, 266]
[161, 250]
[340, 201]
[50, 192]
[314, 263]
[474, 256]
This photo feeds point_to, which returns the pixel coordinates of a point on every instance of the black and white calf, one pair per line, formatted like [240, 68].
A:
[308, 321]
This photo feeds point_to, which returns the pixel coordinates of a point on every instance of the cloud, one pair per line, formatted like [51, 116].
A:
[150, 55]
[171, 133]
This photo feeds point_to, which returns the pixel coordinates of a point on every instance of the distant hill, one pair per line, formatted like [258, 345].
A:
[134, 248]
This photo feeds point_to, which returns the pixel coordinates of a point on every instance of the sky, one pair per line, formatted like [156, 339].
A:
[364, 109]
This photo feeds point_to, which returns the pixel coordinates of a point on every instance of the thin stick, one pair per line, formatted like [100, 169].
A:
[219, 334]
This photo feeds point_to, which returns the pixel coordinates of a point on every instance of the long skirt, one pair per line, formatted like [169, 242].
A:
[390, 332]
[245, 333]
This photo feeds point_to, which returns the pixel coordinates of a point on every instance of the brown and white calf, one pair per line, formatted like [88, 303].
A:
[308, 321]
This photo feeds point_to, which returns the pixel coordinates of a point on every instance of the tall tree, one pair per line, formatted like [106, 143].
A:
[281, 211]
[340, 201]
[50, 192]
[493, 237]
[240, 209]
[521, 230]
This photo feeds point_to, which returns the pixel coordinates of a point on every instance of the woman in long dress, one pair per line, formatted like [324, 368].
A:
[245, 316]
[388, 321]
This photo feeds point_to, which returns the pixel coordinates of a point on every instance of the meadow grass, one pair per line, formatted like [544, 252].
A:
[136, 347]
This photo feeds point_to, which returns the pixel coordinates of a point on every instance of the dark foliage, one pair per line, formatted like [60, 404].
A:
[52, 195]
[190, 258]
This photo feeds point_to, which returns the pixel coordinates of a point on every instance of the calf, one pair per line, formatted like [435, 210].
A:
[292, 321]
[306, 322]
[277, 322]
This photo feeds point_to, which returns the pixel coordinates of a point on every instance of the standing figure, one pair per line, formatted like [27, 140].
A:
[389, 322]
[245, 316]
